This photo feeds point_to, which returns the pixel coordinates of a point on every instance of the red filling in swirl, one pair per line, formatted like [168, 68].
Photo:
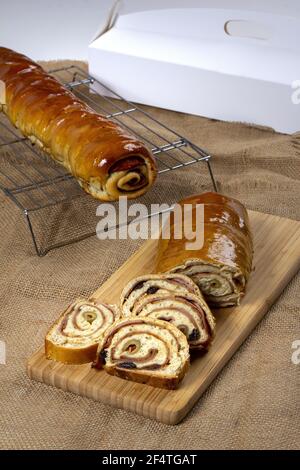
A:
[126, 164]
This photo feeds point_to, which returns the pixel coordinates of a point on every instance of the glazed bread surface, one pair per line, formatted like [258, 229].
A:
[104, 158]
[221, 267]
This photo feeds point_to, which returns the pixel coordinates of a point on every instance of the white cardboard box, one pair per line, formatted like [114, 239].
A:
[233, 60]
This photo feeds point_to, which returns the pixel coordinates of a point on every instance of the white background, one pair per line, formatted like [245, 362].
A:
[51, 29]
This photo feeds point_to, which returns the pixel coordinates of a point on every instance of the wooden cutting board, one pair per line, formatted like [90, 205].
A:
[276, 261]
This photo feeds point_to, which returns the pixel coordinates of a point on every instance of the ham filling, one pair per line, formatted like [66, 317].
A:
[220, 285]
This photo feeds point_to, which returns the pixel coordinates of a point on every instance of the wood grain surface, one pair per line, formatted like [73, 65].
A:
[276, 261]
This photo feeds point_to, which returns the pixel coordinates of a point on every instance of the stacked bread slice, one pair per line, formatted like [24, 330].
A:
[173, 298]
[147, 339]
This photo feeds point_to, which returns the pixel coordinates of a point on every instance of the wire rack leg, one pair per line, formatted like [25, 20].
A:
[212, 176]
[38, 251]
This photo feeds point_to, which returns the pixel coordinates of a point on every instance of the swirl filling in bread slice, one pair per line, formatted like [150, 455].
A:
[188, 312]
[154, 283]
[144, 350]
[74, 338]
[221, 285]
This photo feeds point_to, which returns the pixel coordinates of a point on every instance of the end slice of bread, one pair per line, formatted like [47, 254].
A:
[74, 337]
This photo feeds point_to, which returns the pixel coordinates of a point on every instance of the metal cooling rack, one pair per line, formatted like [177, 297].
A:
[33, 181]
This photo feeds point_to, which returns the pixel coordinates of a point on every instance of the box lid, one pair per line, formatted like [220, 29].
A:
[242, 39]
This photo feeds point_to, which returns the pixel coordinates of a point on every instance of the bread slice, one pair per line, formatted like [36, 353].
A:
[144, 350]
[155, 283]
[188, 312]
[74, 337]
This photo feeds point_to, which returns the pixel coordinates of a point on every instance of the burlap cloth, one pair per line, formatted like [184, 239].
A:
[253, 403]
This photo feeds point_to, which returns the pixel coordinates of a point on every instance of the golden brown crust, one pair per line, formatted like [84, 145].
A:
[170, 383]
[57, 353]
[86, 143]
[227, 241]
